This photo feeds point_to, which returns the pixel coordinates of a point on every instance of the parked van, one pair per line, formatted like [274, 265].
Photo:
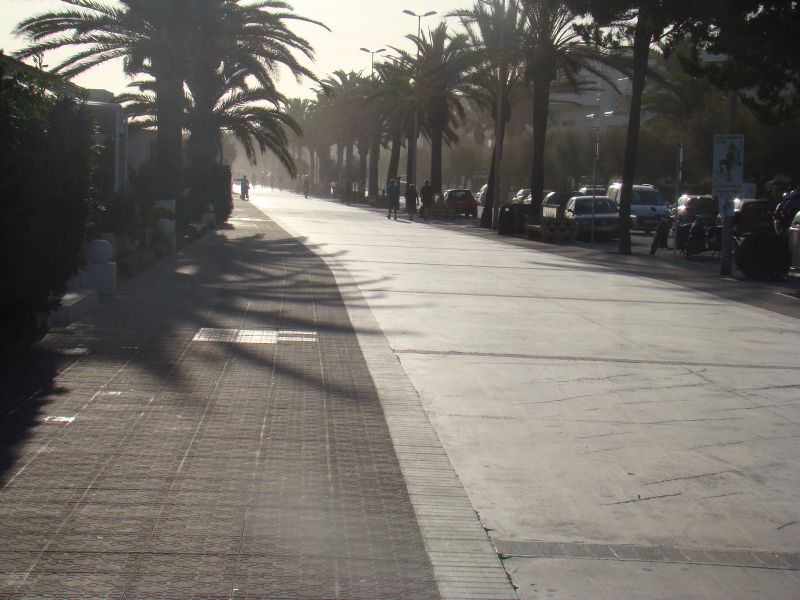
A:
[647, 205]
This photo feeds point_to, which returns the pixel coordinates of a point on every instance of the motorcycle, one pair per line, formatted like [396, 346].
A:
[703, 238]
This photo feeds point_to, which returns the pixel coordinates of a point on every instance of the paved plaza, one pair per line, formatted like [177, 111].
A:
[316, 402]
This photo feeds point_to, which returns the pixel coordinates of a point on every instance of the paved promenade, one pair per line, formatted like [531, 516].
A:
[214, 432]
[621, 434]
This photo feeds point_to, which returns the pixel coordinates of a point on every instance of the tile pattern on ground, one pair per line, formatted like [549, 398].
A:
[146, 465]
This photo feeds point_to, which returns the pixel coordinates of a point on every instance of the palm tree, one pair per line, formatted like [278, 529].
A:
[257, 118]
[149, 35]
[235, 41]
[439, 69]
[553, 48]
[394, 97]
[496, 32]
[345, 107]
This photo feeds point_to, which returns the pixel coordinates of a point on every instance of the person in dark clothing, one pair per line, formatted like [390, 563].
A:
[393, 194]
[426, 194]
[411, 201]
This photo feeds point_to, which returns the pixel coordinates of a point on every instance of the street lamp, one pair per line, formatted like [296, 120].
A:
[591, 117]
[372, 54]
[413, 176]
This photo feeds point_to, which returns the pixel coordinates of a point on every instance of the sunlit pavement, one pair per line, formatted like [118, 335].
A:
[619, 436]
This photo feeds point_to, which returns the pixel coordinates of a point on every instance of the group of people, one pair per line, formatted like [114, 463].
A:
[411, 196]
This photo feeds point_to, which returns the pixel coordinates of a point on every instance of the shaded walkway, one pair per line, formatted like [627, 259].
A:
[211, 432]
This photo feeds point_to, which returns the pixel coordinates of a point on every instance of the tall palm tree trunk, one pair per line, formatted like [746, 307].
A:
[362, 167]
[541, 101]
[641, 44]
[169, 115]
[436, 160]
[410, 151]
[349, 162]
[394, 157]
[374, 158]
[488, 197]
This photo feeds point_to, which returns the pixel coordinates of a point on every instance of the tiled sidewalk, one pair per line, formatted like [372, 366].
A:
[212, 432]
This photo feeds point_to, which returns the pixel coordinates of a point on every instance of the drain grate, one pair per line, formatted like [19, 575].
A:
[253, 336]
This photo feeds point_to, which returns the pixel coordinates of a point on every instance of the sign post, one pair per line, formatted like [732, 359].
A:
[726, 180]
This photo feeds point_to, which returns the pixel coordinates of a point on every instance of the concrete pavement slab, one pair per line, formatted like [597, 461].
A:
[582, 403]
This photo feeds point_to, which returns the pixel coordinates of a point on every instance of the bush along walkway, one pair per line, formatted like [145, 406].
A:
[212, 431]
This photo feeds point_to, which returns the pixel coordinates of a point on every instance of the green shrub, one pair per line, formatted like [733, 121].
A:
[763, 256]
[46, 163]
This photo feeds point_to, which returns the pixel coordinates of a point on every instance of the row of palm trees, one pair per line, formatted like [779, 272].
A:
[203, 66]
[514, 48]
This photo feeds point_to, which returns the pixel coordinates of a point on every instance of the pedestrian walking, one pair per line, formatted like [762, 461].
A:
[426, 194]
[244, 192]
[411, 201]
[306, 185]
[393, 194]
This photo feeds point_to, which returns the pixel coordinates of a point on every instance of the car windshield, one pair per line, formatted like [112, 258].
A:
[756, 207]
[601, 205]
[460, 194]
[651, 197]
[704, 205]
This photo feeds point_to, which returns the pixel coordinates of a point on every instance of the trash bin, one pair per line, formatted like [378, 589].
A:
[520, 216]
[505, 220]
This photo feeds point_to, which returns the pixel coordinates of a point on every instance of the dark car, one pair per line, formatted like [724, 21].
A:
[751, 215]
[461, 201]
[690, 206]
[554, 203]
[605, 216]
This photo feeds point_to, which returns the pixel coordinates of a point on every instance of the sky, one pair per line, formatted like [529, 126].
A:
[371, 24]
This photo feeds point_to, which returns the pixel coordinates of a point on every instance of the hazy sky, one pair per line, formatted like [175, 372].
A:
[354, 23]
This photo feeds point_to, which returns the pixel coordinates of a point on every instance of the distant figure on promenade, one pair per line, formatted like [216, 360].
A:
[426, 193]
[347, 192]
[411, 201]
[306, 185]
[393, 195]
[245, 189]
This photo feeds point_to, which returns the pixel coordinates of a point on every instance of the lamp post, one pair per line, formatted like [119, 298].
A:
[413, 176]
[596, 130]
[372, 54]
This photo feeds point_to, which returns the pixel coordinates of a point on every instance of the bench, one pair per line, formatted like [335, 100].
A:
[551, 231]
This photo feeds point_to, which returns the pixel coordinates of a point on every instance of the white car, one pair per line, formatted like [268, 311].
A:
[794, 241]
[647, 205]
[523, 196]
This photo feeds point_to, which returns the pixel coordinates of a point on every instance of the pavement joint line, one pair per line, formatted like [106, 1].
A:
[781, 561]
[379, 357]
[655, 362]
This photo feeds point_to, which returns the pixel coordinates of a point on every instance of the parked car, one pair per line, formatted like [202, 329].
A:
[481, 197]
[523, 196]
[599, 190]
[647, 205]
[691, 205]
[462, 201]
[554, 203]
[606, 216]
[751, 215]
[794, 241]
